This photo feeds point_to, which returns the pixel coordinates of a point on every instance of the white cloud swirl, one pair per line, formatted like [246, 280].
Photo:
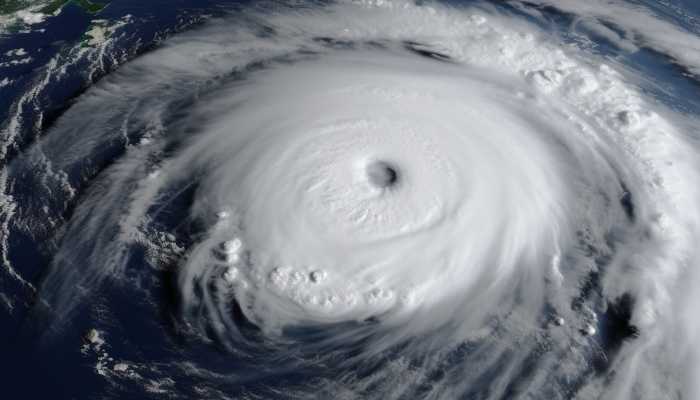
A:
[432, 168]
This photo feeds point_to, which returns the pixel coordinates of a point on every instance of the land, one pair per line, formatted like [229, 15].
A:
[50, 7]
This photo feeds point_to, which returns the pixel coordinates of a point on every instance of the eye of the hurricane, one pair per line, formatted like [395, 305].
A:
[382, 174]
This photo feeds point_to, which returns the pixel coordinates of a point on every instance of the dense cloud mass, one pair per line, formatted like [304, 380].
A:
[382, 199]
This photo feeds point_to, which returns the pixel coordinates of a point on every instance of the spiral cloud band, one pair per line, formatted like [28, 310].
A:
[347, 167]
[448, 186]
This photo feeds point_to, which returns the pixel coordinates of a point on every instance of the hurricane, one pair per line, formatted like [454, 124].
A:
[377, 199]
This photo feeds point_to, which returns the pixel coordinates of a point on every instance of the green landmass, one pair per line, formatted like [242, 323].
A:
[11, 6]
[86, 5]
